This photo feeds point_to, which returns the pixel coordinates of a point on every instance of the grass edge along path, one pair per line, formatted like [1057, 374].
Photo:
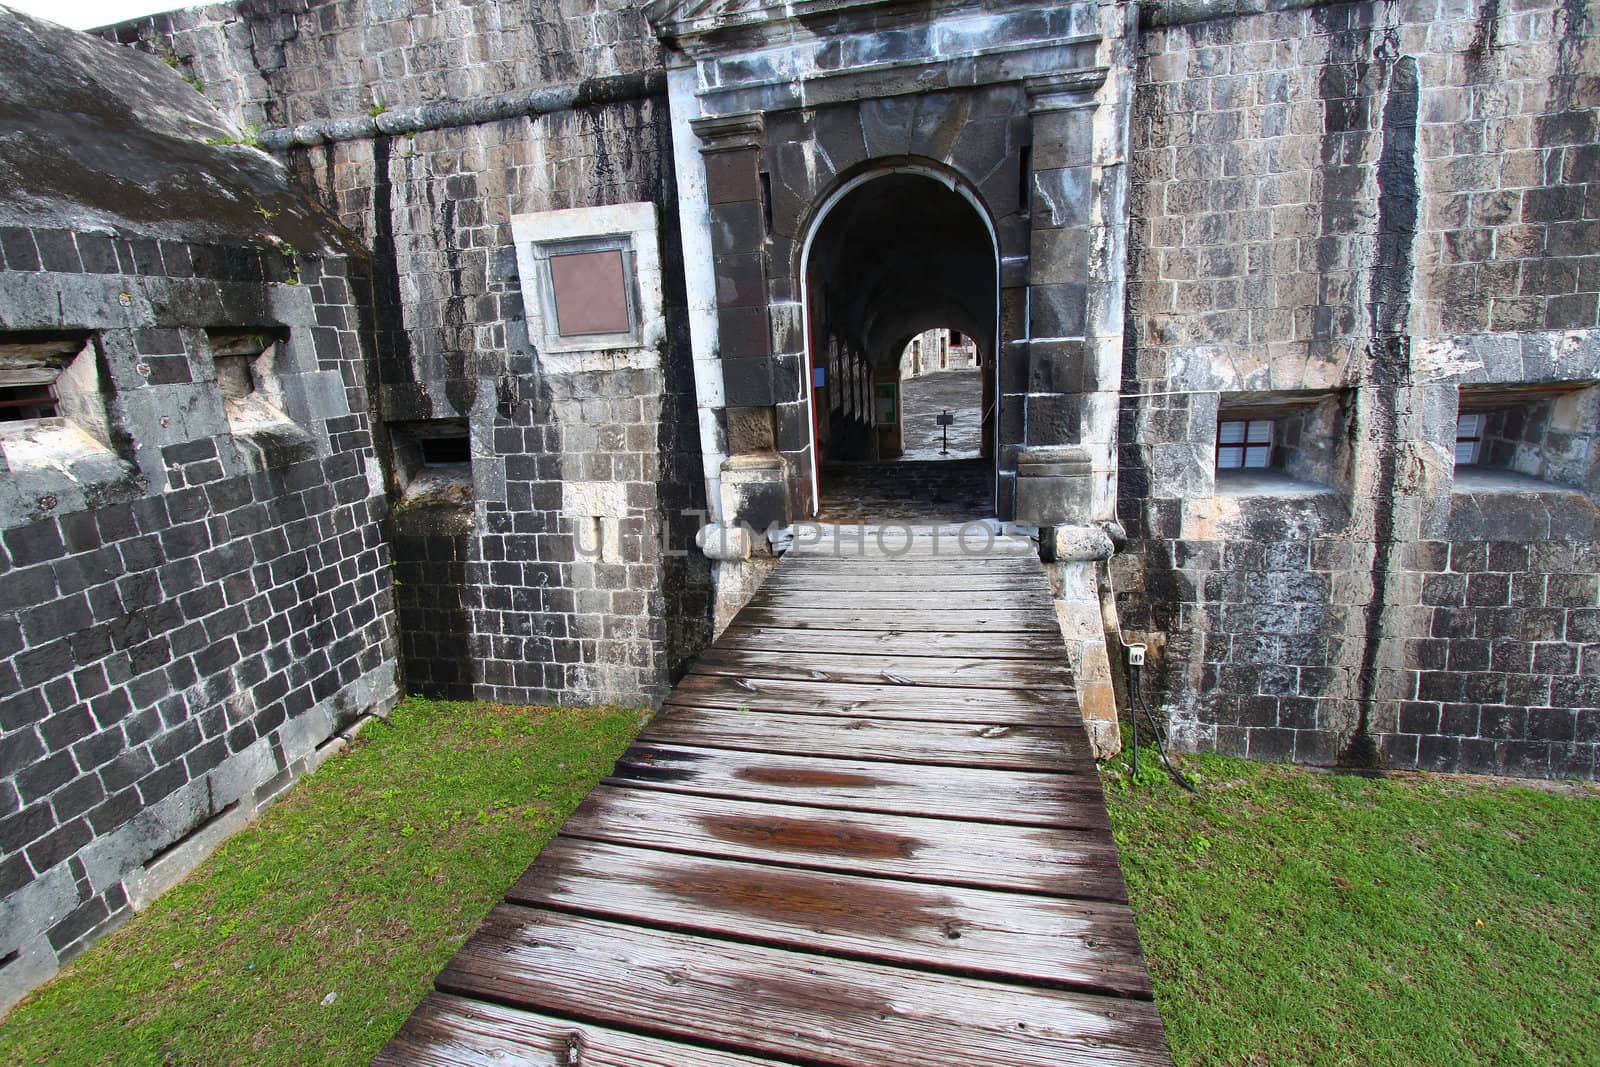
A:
[1296, 917]
[308, 937]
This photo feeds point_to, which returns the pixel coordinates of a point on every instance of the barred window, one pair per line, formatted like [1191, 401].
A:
[1244, 443]
[1469, 438]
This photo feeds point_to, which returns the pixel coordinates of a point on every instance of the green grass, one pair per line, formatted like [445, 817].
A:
[361, 883]
[1289, 917]
[1292, 917]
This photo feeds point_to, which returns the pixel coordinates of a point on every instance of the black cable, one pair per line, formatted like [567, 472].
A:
[1133, 717]
[1137, 695]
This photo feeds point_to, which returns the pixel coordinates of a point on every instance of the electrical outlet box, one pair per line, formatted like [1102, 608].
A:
[1136, 655]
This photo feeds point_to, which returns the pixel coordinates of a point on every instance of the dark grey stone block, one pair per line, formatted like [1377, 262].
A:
[1055, 367]
[21, 254]
[737, 227]
[57, 251]
[743, 333]
[748, 382]
[887, 124]
[1056, 310]
[1052, 420]
[731, 176]
[837, 131]
[740, 280]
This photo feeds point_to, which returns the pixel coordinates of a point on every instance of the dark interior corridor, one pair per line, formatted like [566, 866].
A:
[897, 256]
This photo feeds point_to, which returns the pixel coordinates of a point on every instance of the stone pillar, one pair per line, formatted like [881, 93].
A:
[1073, 556]
[1066, 471]
[755, 494]
[753, 488]
[1073, 330]
[731, 148]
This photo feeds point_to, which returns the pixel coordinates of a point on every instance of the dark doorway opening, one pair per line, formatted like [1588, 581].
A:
[901, 266]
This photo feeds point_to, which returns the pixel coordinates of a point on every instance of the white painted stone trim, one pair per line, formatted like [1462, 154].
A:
[700, 282]
[634, 228]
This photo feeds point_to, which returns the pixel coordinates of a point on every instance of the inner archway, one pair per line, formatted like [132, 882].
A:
[891, 257]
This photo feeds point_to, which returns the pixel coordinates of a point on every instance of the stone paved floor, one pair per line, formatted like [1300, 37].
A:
[923, 486]
[958, 391]
[907, 491]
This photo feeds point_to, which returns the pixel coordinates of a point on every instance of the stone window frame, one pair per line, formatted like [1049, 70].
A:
[630, 228]
[421, 481]
[258, 419]
[1545, 400]
[1293, 414]
[248, 355]
[68, 362]
[79, 458]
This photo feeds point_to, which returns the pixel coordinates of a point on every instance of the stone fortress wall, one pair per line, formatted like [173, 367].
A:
[506, 588]
[322, 441]
[195, 580]
[1357, 220]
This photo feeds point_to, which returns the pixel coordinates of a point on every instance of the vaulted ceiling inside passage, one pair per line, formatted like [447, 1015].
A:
[902, 254]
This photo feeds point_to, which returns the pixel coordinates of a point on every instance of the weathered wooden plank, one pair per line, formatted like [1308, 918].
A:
[886, 543]
[788, 1004]
[1027, 798]
[1048, 861]
[1031, 646]
[823, 562]
[951, 704]
[934, 604]
[447, 1031]
[855, 617]
[870, 579]
[898, 541]
[963, 930]
[1036, 748]
[955, 668]
[883, 542]
[910, 589]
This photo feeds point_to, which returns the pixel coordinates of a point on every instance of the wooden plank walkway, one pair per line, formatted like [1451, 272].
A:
[865, 829]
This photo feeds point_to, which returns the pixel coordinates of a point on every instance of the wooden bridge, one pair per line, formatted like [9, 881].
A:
[865, 829]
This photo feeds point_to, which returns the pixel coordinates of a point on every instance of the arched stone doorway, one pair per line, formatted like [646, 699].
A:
[888, 254]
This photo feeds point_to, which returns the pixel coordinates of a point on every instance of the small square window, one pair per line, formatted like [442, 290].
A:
[448, 450]
[1469, 438]
[247, 365]
[1244, 444]
[32, 369]
[22, 399]
[432, 462]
